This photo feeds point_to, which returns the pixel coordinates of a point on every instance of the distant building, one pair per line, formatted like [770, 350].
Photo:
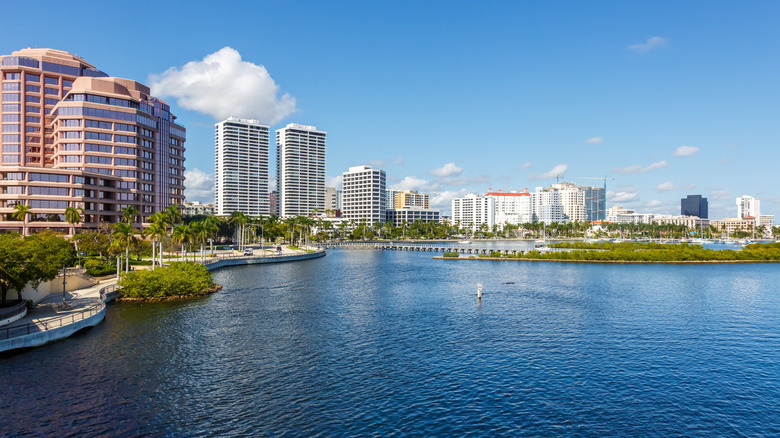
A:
[620, 215]
[363, 195]
[410, 214]
[390, 197]
[410, 198]
[767, 220]
[547, 206]
[572, 199]
[694, 205]
[733, 224]
[300, 169]
[333, 201]
[748, 206]
[692, 222]
[512, 207]
[273, 203]
[474, 211]
[241, 167]
[195, 208]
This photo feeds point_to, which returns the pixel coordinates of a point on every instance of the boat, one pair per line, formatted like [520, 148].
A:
[464, 242]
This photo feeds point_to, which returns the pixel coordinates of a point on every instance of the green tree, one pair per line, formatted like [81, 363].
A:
[22, 213]
[181, 236]
[156, 230]
[73, 216]
[129, 214]
[124, 237]
[31, 260]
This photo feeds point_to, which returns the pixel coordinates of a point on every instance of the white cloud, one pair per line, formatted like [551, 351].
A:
[595, 140]
[651, 43]
[558, 170]
[223, 85]
[199, 186]
[624, 196]
[654, 203]
[415, 183]
[684, 151]
[666, 187]
[399, 161]
[333, 181]
[639, 169]
[721, 195]
[449, 170]
[526, 166]
[443, 200]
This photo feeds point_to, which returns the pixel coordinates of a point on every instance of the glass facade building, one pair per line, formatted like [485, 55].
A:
[694, 205]
[75, 137]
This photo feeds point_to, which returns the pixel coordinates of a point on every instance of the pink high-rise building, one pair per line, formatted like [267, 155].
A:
[75, 137]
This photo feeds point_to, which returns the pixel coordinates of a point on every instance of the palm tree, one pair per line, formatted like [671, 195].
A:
[198, 234]
[174, 213]
[21, 212]
[129, 214]
[73, 217]
[156, 230]
[124, 237]
[239, 219]
[181, 235]
[211, 227]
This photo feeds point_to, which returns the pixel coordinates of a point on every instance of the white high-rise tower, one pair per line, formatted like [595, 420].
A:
[748, 206]
[241, 178]
[300, 169]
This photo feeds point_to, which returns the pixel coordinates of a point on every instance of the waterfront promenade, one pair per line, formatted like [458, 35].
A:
[50, 320]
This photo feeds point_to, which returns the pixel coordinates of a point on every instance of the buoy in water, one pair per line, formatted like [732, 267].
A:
[479, 291]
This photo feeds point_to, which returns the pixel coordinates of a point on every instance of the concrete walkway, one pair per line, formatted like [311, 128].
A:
[50, 311]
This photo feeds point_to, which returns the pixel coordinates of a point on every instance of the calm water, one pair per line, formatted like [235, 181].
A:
[389, 343]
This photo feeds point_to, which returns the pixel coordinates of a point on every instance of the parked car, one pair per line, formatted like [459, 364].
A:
[249, 251]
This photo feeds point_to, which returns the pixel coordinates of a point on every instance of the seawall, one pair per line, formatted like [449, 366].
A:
[253, 260]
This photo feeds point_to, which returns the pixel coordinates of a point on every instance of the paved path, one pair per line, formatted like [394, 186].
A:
[51, 308]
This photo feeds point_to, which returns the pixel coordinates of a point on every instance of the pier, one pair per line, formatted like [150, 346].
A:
[426, 247]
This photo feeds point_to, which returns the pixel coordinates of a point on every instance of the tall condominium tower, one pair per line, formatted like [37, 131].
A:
[363, 195]
[300, 169]
[74, 137]
[748, 206]
[241, 178]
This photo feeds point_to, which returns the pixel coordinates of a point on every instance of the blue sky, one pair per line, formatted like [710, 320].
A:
[667, 98]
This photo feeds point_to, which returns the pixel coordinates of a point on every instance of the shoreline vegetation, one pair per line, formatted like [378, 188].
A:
[632, 252]
[178, 281]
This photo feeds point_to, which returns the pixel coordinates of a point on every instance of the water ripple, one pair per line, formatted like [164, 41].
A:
[366, 343]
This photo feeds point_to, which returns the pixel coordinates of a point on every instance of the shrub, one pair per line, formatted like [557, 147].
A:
[451, 254]
[97, 268]
[180, 278]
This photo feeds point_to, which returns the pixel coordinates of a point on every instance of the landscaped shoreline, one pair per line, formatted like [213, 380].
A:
[630, 252]
[625, 262]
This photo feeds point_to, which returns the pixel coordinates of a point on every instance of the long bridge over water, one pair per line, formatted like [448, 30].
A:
[427, 247]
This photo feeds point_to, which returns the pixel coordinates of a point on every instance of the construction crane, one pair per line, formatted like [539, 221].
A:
[605, 180]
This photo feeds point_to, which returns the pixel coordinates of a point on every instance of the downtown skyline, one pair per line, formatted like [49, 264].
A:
[455, 98]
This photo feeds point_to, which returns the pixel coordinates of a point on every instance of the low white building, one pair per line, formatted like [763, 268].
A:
[410, 214]
[512, 207]
[474, 211]
[196, 208]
